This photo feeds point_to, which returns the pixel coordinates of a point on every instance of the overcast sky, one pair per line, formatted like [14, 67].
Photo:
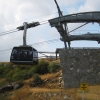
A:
[14, 13]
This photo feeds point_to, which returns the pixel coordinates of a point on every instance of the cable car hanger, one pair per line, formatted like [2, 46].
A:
[25, 54]
[25, 27]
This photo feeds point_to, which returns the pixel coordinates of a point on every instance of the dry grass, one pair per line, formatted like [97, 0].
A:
[26, 92]
[93, 93]
[21, 94]
[46, 76]
[38, 90]
[49, 76]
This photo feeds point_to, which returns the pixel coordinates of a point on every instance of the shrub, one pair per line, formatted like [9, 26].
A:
[20, 75]
[16, 77]
[9, 76]
[23, 74]
[2, 83]
[42, 68]
[53, 67]
[36, 80]
[32, 71]
[4, 69]
[1, 71]
[3, 97]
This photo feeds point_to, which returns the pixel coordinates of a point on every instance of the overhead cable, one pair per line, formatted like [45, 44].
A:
[78, 27]
[8, 32]
[35, 44]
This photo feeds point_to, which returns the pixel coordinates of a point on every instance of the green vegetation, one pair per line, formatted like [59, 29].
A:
[2, 82]
[36, 80]
[53, 67]
[42, 68]
[3, 97]
[11, 72]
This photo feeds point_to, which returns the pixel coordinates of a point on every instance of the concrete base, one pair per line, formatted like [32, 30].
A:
[80, 66]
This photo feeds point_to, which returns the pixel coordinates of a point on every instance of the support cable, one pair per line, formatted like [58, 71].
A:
[35, 44]
[8, 32]
[29, 18]
[78, 27]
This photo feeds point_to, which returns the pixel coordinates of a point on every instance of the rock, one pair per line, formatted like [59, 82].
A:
[78, 70]
[61, 82]
[46, 80]
[10, 87]
[13, 66]
[99, 73]
[49, 94]
[55, 94]
[17, 85]
[60, 79]
[6, 88]
[8, 94]
[34, 84]
[66, 97]
[71, 68]
[61, 75]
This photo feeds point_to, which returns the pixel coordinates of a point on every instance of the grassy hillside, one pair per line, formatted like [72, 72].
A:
[48, 90]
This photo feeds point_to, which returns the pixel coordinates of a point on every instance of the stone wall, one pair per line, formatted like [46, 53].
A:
[80, 66]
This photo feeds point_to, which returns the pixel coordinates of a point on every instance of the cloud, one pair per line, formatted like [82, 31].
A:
[14, 12]
[33, 8]
[88, 5]
[68, 3]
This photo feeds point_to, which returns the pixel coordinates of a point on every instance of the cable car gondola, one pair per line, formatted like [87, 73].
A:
[24, 55]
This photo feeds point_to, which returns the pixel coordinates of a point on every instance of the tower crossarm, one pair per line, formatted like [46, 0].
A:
[91, 37]
[77, 18]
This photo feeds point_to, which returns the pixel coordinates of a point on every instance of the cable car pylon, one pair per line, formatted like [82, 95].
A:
[62, 26]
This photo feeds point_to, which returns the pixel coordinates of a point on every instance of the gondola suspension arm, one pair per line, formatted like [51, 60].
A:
[24, 34]
[25, 27]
